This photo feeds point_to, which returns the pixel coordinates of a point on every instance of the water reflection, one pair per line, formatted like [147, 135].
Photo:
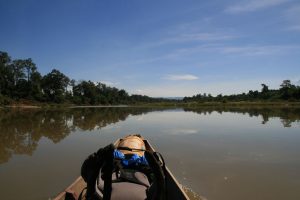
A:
[221, 153]
[21, 130]
[288, 116]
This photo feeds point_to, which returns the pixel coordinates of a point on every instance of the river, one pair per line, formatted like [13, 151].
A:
[219, 153]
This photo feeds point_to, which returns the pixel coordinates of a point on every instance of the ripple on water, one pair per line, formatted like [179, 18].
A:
[192, 195]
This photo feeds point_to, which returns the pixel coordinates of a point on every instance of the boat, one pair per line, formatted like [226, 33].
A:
[175, 191]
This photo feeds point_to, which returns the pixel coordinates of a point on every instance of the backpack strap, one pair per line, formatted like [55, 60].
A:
[159, 175]
[91, 167]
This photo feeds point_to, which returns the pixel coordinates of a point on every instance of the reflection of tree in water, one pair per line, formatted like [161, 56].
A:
[91, 118]
[54, 125]
[286, 115]
[21, 130]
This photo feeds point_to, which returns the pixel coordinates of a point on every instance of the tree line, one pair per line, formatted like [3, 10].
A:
[20, 80]
[286, 92]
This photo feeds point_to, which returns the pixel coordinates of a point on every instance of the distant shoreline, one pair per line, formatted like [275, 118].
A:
[162, 104]
[101, 106]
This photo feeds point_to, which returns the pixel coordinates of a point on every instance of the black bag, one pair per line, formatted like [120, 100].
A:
[106, 179]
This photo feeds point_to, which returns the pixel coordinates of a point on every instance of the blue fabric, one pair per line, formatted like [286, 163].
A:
[134, 160]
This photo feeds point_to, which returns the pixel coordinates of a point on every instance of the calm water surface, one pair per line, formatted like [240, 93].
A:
[219, 153]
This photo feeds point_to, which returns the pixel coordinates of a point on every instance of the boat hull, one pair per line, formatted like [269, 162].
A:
[174, 189]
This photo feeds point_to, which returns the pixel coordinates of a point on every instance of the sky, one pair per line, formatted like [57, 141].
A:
[159, 48]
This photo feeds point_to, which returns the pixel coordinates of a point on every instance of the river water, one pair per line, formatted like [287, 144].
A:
[220, 153]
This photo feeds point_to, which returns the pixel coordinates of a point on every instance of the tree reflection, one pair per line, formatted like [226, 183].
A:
[21, 130]
[287, 115]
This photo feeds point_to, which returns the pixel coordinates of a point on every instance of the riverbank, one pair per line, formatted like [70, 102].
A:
[35, 105]
[229, 104]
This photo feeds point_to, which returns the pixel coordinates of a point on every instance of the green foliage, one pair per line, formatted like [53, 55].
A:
[4, 100]
[86, 92]
[54, 86]
[20, 80]
[6, 74]
[287, 91]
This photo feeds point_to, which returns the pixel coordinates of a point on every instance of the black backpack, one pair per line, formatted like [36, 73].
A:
[105, 175]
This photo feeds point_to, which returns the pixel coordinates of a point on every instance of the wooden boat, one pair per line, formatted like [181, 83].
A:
[174, 189]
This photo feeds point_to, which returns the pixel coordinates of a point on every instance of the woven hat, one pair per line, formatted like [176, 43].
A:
[135, 142]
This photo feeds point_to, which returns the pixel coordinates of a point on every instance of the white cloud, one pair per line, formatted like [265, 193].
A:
[200, 37]
[139, 91]
[195, 36]
[253, 5]
[245, 50]
[192, 31]
[109, 83]
[181, 77]
[253, 50]
[249, 50]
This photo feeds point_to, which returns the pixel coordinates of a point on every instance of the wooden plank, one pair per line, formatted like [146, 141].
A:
[77, 186]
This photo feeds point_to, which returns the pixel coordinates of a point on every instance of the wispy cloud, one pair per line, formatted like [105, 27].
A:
[181, 77]
[294, 28]
[202, 36]
[139, 91]
[109, 83]
[219, 48]
[249, 50]
[186, 37]
[293, 16]
[253, 5]
[293, 12]
[192, 31]
[254, 50]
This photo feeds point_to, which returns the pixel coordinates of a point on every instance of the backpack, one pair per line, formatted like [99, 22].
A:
[108, 179]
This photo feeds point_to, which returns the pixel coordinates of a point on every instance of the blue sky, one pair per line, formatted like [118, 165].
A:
[159, 47]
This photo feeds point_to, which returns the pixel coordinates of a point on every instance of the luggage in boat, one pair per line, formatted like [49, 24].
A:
[120, 179]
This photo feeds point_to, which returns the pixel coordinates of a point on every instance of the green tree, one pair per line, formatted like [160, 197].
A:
[86, 93]
[265, 91]
[54, 86]
[265, 88]
[286, 84]
[6, 76]
[30, 67]
[18, 70]
[35, 86]
[286, 88]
